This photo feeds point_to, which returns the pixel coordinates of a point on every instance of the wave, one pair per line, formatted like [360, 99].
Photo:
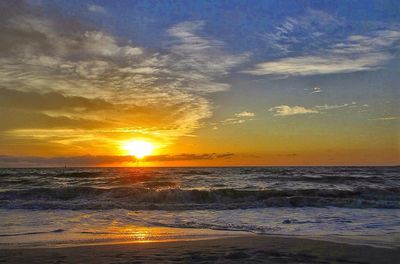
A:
[80, 198]
[32, 233]
[332, 179]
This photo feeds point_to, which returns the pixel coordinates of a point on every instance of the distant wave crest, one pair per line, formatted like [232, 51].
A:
[90, 198]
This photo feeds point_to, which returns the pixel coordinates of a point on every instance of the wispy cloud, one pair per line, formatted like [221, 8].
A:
[323, 64]
[201, 61]
[286, 110]
[312, 27]
[97, 9]
[329, 107]
[233, 121]
[105, 81]
[245, 114]
[306, 48]
[386, 118]
[239, 118]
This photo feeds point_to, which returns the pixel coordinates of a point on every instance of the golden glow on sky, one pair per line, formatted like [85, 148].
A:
[139, 148]
[184, 95]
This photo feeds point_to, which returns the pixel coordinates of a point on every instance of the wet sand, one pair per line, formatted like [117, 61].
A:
[243, 249]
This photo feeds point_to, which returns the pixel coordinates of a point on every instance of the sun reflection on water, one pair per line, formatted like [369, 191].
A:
[145, 234]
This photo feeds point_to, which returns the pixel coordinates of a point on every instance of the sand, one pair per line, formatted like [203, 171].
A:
[243, 249]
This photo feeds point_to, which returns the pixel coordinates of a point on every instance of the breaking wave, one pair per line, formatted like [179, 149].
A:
[90, 198]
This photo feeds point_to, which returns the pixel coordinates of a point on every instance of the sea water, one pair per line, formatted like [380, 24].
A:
[59, 206]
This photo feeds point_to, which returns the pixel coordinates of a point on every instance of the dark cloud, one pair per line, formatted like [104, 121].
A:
[89, 160]
[16, 119]
[207, 156]
[49, 101]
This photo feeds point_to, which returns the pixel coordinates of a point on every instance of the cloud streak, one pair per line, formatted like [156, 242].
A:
[245, 114]
[386, 118]
[92, 160]
[322, 64]
[285, 110]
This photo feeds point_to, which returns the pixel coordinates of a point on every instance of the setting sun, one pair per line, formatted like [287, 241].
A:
[139, 148]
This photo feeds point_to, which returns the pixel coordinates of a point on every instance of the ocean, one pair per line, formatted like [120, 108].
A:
[67, 206]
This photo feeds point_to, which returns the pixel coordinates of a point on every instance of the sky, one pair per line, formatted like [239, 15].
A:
[207, 83]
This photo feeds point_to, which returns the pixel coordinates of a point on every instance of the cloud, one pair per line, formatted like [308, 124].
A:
[285, 110]
[239, 118]
[322, 64]
[328, 107]
[314, 28]
[26, 161]
[316, 90]
[208, 156]
[245, 114]
[310, 45]
[201, 61]
[386, 118]
[100, 44]
[49, 101]
[97, 9]
[27, 120]
[92, 160]
[233, 121]
[56, 69]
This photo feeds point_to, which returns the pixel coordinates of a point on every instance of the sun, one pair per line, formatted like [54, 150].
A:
[139, 148]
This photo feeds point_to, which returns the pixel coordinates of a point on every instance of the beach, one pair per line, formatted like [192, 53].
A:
[241, 249]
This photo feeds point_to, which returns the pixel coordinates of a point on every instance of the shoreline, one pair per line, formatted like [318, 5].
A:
[133, 234]
[243, 248]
